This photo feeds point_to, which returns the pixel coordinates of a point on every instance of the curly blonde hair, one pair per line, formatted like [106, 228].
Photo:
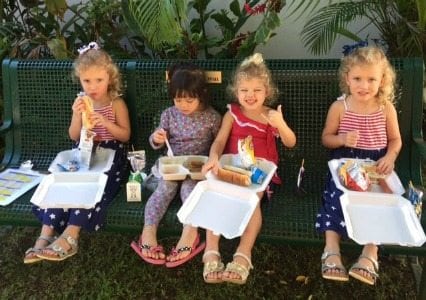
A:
[99, 58]
[254, 67]
[370, 56]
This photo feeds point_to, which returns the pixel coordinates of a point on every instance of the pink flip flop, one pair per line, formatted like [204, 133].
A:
[138, 247]
[196, 248]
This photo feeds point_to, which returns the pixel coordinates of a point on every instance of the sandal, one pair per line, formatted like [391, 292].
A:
[31, 253]
[325, 267]
[139, 246]
[60, 253]
[239, 269]
[212, 267]
[194, 250]
[372, 274]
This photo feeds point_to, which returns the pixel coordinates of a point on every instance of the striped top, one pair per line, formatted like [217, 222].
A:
[102, 134]
[371, 128]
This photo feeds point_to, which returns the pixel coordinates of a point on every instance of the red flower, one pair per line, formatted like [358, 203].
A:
[255, 10]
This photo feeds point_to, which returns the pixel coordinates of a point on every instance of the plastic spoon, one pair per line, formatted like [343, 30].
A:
[169, 149]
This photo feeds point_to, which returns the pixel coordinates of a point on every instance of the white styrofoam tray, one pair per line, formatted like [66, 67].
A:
[101, 160]
[70, 190]
[16, 182]
[381, 219]
[223, 207]
[213, 205]
[177, 167]
[392, 180]
[233, 159]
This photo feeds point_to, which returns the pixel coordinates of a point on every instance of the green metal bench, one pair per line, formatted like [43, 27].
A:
[37, 108]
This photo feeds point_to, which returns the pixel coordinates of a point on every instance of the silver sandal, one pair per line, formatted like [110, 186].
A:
[212, 267]
[341, 276]
[372, 272]
[60, 253]
[34, 250]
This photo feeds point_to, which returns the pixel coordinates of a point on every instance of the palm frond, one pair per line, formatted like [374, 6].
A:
[159, 21]
[321, 31]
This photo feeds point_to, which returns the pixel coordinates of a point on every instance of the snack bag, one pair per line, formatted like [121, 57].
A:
[415, 196]
[246, 152]
[353, 176]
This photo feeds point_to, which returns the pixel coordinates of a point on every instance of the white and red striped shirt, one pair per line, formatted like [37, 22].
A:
[371, 128]
[102, 134]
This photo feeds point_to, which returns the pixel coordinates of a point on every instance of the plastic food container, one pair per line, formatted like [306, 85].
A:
[101, 161]
[392, 180]
[377, 217]
[179, 167]
[381, 219]
[70, 190]
[223, 207]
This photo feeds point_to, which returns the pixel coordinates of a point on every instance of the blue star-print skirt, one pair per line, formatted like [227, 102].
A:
[330, 216]
[90, 219]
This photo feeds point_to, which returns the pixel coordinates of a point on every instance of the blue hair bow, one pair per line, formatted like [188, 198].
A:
[348, 49]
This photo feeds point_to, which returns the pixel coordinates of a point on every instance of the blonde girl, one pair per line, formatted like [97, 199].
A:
[254, 92]
[360, 124]
[100, 80]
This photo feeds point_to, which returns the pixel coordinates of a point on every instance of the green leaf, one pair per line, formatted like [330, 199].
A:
[235, 8]
[58, 48]
[159, 21]
[56, 7]
[223, 20]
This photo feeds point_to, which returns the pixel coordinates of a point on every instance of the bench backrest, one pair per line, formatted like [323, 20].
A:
[38, 95]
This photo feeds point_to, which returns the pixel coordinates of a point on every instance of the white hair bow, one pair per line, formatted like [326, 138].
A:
[90, 46]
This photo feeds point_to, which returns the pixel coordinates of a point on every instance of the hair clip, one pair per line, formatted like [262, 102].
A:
[348, 49]
[256, 59]
[90, 46]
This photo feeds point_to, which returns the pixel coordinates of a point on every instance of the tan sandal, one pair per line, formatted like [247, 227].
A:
[237, 268]
[60, 253]
[31, 253]
[325, 267]
[372, 272]
[212, 267]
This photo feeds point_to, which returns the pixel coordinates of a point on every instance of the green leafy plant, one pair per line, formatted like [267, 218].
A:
[165, 28]
[401, 23]
[38, 29]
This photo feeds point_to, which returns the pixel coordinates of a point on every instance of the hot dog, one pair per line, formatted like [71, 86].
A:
[87, 123]
[233, 177]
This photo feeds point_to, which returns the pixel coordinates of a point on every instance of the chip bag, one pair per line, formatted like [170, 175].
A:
[353, 176]
[246, 152]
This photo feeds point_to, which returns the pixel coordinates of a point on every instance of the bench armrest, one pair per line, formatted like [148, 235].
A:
[5, 127]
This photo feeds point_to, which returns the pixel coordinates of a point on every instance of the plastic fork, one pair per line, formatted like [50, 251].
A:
[169, 149]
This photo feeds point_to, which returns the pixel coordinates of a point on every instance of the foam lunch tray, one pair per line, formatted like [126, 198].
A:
[223, 207]
[70, 190]
[101, 160]
[381, 219]
[226, 213]
[393, 181]
[179, 167]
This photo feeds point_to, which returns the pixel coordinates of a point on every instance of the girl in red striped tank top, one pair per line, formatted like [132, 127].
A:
[360, 124]
[100, 79]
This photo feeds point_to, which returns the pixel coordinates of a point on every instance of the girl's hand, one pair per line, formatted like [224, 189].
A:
[275, 117]
[78, 106]
[98, 119]
[159, 136]
[385, 165]
[211, 164]
[350, 139]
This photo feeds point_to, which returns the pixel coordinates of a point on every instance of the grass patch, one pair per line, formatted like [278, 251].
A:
[107, 268]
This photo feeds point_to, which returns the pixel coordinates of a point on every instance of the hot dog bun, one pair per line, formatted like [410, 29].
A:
[87, 123]
[233, 177]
